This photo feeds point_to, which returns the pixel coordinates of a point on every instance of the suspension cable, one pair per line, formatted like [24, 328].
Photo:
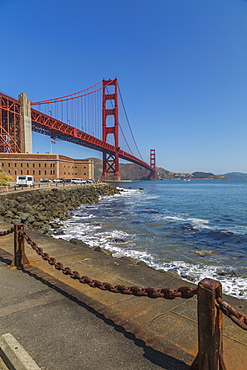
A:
[125, 139]
[129, 124]
[121, 128]
[64, 98]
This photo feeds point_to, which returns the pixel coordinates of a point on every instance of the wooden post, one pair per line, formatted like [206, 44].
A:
[210, 335]
[20, 259]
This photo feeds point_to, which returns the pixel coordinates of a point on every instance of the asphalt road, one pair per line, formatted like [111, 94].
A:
[61, 332]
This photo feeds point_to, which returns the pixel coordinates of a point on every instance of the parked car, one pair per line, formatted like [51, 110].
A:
[78, 181]
[89, 181]
[58, 180]
[45, 180]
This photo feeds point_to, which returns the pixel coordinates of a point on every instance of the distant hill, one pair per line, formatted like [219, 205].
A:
[207, 175]
[97, 168]
[131, 171]
[236, 176]
[168, 175]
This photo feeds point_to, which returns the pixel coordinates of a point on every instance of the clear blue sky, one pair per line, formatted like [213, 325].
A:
[181, 67]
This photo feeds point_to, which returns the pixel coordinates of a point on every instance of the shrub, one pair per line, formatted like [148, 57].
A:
[5, 179]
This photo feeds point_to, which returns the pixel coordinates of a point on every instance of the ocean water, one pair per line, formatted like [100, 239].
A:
[197, 228]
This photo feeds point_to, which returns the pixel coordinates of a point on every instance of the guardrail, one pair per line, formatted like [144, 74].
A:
[9, 188]
[209, 297]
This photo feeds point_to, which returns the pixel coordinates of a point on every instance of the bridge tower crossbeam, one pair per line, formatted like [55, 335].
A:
[110, 161]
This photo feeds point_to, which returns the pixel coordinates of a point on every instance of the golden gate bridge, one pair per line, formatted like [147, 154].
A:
[94, 117]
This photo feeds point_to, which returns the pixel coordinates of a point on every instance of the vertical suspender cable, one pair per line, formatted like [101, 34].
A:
[129, 125]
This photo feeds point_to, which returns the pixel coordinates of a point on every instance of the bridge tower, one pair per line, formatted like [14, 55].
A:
[153, 163]
[15, 124]
[26, 123]
[110, 108]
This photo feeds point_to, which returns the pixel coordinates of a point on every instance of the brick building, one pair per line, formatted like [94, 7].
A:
[50, 166]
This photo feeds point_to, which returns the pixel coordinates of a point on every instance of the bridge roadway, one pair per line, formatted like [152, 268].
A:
[63, 324]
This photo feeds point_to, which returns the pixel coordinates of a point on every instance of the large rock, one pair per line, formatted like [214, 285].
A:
[79, 243]
[23, 216]
[9, 214]
[2, 209]
[26, 208]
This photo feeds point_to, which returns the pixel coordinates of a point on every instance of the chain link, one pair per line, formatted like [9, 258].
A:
[237, 317]
[167, 293]
[6, 232]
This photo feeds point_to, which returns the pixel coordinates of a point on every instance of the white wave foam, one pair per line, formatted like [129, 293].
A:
[78, 216]
[196, 222]
[199, 223]
[234, 286]
[137, 255]
[192, 219]
[137, 193]
[125, 192]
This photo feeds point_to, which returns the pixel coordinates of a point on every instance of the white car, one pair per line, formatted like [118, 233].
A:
[78, 181]
[45, 180]
[58, 180]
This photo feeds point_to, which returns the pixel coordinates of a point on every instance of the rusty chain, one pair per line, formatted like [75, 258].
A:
[167, 293]
[6, 232]
[237, 317]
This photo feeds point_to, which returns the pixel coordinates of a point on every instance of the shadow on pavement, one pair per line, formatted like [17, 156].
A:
[156, 357]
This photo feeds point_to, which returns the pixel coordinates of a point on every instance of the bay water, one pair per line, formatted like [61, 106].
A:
[196, 228]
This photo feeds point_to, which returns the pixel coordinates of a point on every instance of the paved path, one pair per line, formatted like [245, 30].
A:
[64, 325]
[60, 332]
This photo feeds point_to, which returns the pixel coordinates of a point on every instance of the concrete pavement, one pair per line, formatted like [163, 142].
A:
[63, 324]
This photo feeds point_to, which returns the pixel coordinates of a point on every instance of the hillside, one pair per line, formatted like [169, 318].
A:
[236, 176]
[168, 175]
[130, 171]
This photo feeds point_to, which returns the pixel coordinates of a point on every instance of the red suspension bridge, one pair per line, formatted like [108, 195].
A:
[89, 117]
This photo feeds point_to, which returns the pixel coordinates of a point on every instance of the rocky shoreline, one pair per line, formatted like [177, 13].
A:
[39, 209]
[42, 210]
